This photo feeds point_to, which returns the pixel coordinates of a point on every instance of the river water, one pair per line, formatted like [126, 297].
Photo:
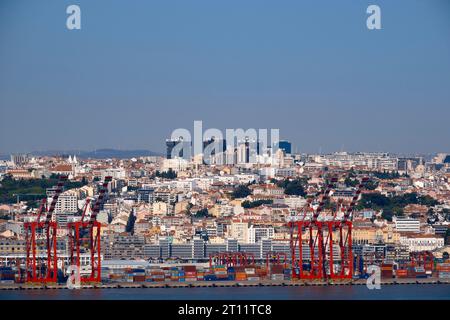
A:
[398, 292]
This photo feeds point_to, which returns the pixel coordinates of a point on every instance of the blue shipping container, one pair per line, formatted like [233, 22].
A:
[210, 277]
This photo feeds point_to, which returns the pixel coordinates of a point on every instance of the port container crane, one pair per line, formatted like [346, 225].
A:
[343, 226]
[92, 243]
[37, 271]
[314, 267]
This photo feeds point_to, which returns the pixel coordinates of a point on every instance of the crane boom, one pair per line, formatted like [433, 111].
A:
[325, 197]
[42, 208]
[86, 206]
[100, 200]
[355, 199]
[58, 191]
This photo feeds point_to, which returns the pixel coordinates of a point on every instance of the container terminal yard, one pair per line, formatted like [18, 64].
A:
[119, 274]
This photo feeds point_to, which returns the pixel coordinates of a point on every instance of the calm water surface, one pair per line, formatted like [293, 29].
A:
[408, 292]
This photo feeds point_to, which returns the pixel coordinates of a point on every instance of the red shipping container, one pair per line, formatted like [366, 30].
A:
[139, 278]
[402, 273]
[190, 269]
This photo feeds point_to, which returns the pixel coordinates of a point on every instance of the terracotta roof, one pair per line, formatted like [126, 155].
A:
[62, 168]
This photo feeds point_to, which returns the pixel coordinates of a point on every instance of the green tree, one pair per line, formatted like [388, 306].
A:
[428, 201]
[254, 204]
[387, 214]
[351, 182]
[295, 188]
[447, 237]
[30, 189]
[241, 191]
[203, 213]
[385, 175]
[130, 223]
[371, 185]
[391, 205]
[352, 173]
[373, 201]
[170, 174]
[188, 208]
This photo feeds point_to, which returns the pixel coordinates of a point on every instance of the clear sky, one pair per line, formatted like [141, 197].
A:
[139, 69]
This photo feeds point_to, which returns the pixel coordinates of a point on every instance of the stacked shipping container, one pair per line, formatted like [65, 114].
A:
[443, 270]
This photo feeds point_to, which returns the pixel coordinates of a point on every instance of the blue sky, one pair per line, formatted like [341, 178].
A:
[139, 69]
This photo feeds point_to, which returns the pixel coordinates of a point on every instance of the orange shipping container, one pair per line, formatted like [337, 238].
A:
[241, 276]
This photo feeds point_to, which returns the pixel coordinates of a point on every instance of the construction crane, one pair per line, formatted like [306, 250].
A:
[18, 195]
[78, 242]
[38, 272]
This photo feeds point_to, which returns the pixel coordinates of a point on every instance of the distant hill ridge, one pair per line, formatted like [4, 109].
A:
[100, 153]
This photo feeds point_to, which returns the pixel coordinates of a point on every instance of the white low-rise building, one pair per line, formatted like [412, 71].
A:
[177, 164]
[294, 202]
[419, 243]
[257, 234]
[406, 225]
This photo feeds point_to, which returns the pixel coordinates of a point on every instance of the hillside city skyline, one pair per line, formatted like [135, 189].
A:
[130, 153]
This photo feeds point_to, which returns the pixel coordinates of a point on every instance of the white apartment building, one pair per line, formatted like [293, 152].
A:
[268, 172]
[67, 203]
[242, 154]
[256, 234]
[373, 161]
[205, 183]
[294, 202]
[185, 185]
[116, 173]
[271, 190]
[176, 164]
[250, 234]
[221, 158]
[382, 164]
[418, 243]
[225, 210]
[63, 218]
[239, 231]
[406, 225]
[227, 179]
[247, 178]
[161, 209]
[285, 172]
[85, 191]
